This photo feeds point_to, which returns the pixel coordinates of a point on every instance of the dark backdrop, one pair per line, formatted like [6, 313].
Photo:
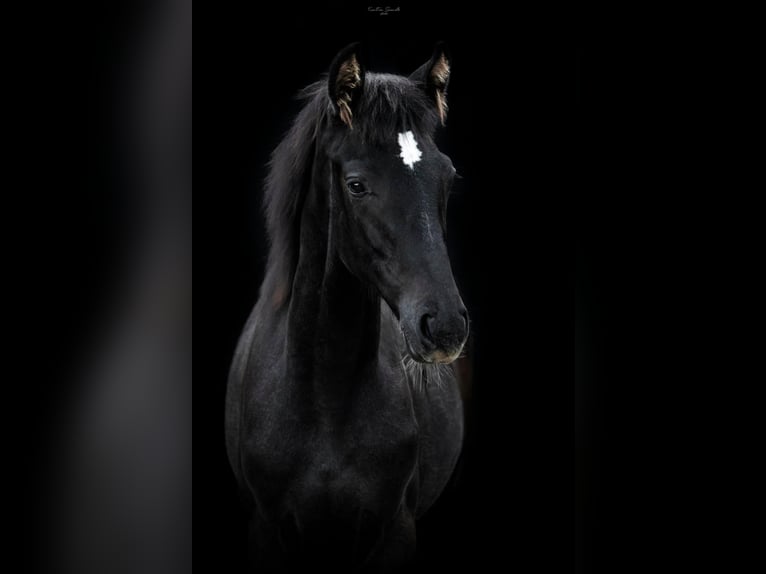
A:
[594, 180]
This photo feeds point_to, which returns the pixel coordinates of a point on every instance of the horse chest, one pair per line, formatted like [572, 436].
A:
[334, 462]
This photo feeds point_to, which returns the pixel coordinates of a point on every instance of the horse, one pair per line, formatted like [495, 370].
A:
[344, 421]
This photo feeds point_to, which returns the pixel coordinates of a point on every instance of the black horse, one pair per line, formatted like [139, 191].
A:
[343, 418]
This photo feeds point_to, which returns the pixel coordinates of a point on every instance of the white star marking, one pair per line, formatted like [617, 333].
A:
[410, 153]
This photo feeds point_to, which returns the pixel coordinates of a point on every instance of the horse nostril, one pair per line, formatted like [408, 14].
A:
[425, 327]
[464, 314]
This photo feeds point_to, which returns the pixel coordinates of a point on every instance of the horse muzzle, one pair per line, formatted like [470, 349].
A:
[436, 335]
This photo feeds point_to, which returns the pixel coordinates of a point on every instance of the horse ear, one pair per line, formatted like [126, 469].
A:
[346, 82]
[433, 76]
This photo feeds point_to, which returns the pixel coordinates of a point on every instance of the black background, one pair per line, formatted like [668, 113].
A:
[587, 260]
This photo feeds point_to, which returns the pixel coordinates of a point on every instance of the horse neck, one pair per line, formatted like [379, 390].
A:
[333, 318]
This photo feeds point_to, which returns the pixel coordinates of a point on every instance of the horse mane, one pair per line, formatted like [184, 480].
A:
[388, 105]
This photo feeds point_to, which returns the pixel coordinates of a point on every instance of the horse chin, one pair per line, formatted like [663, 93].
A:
[443, 357]
[435, 358]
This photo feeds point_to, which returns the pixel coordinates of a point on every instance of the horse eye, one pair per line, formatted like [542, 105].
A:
[356, 187]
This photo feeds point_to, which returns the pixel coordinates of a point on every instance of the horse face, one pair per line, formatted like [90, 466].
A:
[392, 223]
[389, 199]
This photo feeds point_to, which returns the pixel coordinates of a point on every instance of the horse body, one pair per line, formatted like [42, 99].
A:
[332, 442]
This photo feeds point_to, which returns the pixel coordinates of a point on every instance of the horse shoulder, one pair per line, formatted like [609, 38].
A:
[253, 359]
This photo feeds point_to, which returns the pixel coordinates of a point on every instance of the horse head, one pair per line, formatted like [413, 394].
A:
[389, 189]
